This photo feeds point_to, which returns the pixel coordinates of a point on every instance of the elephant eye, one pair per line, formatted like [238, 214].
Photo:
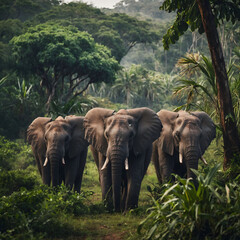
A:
[130, 123]
[179, 121]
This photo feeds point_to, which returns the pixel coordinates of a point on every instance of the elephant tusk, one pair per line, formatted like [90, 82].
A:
[204, 161]
[105, 164]
[63, 161]
[126, 164]
[180, 157]
[46, 161]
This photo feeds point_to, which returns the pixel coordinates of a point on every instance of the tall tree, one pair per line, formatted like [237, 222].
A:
[205, 15]
[65, 60]
[227, 116]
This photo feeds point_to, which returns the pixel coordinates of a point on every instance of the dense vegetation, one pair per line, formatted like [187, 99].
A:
[60, 59]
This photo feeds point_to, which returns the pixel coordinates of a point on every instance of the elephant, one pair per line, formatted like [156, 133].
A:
[121, 143]
[184, 138]
[60, 149]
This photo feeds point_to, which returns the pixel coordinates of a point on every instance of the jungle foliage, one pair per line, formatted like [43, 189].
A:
[183, 211]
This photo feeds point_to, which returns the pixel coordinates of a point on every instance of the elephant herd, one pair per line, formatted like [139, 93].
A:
[123, 144]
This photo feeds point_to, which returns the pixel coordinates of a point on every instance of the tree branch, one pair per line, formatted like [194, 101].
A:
[84, 89]
[82, 79]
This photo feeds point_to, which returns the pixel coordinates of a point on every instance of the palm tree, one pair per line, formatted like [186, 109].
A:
[127, 84]
[199, 84]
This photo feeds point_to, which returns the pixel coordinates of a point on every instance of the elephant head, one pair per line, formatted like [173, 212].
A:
[121, 137]
[188, 134]
[54, 141]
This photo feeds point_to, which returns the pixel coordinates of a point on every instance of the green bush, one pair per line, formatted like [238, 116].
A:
[41, 212]
[14, 180]
[25, 157]
[8, 152]
[18, 212]
[15, 155]
[182, 211]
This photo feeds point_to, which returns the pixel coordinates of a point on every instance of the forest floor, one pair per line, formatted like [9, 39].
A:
[110, 226]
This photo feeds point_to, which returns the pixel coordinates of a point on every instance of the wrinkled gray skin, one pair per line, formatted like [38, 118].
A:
[59, 149]
[183, 133]
[117, 136]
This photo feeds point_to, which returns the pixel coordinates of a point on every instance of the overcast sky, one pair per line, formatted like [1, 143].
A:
[98, 3]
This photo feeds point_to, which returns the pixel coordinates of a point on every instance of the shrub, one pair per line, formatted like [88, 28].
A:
[18, 213]
[25, 157]
[182, 211]
[15, 155]
[8, 152]
[14, 180]
[41, 212]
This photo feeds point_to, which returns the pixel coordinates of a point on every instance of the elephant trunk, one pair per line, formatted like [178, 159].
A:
[192, 154]
[54, 160]
[116, 183]
[117, 159]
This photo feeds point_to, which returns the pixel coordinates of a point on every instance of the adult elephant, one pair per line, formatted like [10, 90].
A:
[122, 146]
[184, 139]
[60, 149]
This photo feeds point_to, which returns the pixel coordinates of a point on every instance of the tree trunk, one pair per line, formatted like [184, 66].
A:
[227, 116]
[50, 94]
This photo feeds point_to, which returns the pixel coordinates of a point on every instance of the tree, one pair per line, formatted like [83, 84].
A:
[24, 9]
[118, 32]
[205, 15]
[65, 60]
[126, 85]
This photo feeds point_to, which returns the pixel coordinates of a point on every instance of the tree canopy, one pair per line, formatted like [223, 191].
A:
[188, 15]
[59, 54]
[24, 9]
[119, 32]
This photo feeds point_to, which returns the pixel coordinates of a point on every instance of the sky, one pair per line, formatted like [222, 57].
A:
[99, 3]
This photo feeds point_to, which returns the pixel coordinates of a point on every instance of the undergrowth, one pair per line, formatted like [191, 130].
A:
[183, 211]
[40, 213]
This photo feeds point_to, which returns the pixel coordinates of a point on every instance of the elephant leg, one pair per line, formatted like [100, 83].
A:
[155, 160]
[39, 160]
[78, 179]
[46, 174]
[180, 168]
[124, 190]
[71, 169]
[105, 178]
[166, 165]
[134, 175]
[96, 156]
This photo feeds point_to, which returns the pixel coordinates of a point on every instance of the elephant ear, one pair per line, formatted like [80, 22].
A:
[77, 142]
[35, 134]
[94, 128]
[149, 128]
[208, 130]
[166, 141]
